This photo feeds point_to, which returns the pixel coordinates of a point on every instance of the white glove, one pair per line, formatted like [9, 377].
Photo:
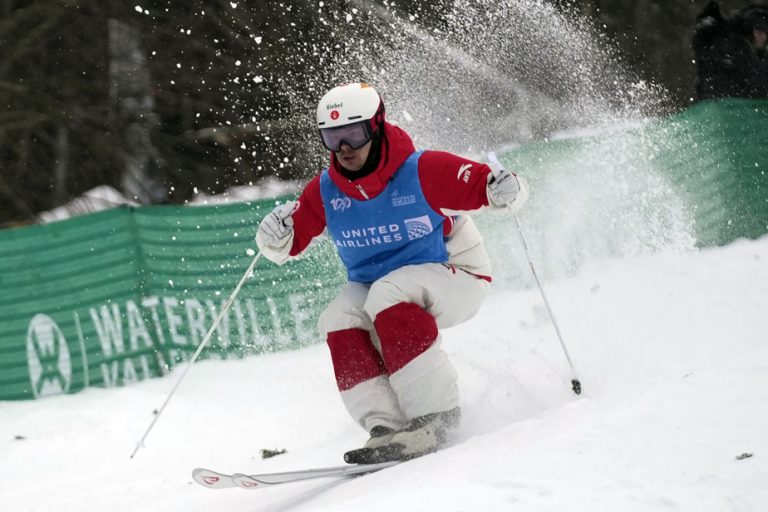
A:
[275, 234]
[505, 188]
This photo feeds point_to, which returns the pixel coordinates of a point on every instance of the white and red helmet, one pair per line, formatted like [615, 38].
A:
[350, 103]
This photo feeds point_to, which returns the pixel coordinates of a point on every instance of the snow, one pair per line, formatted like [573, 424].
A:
[99, 198]
[266, 188]
[670, 348]
[104, 197]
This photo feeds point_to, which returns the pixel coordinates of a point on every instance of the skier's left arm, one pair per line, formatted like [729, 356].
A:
[505, 188]
[453, 184]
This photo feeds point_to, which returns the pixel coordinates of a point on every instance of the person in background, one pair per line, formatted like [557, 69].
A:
[730, 53]
[415, 263]
[756, 17]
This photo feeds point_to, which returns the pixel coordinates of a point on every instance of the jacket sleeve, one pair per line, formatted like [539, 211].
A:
[452, 184]
[309, 217]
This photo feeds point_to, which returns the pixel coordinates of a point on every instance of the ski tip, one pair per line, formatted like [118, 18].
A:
[211, 479]
[246, 481]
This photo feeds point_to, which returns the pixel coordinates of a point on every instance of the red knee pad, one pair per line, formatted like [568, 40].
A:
[405, 330]
[354, 357]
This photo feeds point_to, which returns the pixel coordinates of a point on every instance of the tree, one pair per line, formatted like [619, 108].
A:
[655, 36]
[53, 98]
[166, 98]
[191, 95]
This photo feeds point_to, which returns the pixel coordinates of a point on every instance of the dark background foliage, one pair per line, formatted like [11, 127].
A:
[161, 99]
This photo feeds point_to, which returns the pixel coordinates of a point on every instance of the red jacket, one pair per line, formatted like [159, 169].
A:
[450, 183]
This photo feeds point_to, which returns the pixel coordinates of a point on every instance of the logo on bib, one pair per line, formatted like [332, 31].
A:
[398, 200]
[339, 204]
[418, 227]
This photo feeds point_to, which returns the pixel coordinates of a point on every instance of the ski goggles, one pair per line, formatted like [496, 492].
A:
[355, 135]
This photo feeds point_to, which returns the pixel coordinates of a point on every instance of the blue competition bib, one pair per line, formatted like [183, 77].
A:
[394, 229]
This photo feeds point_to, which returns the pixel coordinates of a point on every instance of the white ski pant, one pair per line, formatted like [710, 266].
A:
[385, 344]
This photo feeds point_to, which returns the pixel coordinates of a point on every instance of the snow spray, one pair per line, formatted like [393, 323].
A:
[515, 74]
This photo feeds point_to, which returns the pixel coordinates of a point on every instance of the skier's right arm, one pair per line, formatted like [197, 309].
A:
[289, 228]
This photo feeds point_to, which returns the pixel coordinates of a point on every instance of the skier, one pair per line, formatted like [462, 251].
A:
[415, 263]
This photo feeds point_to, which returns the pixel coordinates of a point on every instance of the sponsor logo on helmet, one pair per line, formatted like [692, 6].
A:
[332, 106]
[335, 115]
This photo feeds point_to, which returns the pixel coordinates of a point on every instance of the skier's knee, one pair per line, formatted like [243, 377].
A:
[384, 294]
[339, 315]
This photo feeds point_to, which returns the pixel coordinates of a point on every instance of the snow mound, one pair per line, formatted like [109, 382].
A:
[670, 349]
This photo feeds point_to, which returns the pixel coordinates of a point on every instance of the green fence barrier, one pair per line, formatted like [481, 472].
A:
[123, 295]
[717, 154]
[711, 158]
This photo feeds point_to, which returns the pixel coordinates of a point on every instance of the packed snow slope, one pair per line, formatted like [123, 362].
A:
[671, 350]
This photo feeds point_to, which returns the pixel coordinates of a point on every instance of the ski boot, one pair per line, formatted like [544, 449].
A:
[423, 435]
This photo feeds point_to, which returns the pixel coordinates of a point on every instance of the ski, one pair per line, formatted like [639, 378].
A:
[215, 480]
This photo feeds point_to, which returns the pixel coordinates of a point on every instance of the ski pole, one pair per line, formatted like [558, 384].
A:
[200, 348]
[575, 382]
